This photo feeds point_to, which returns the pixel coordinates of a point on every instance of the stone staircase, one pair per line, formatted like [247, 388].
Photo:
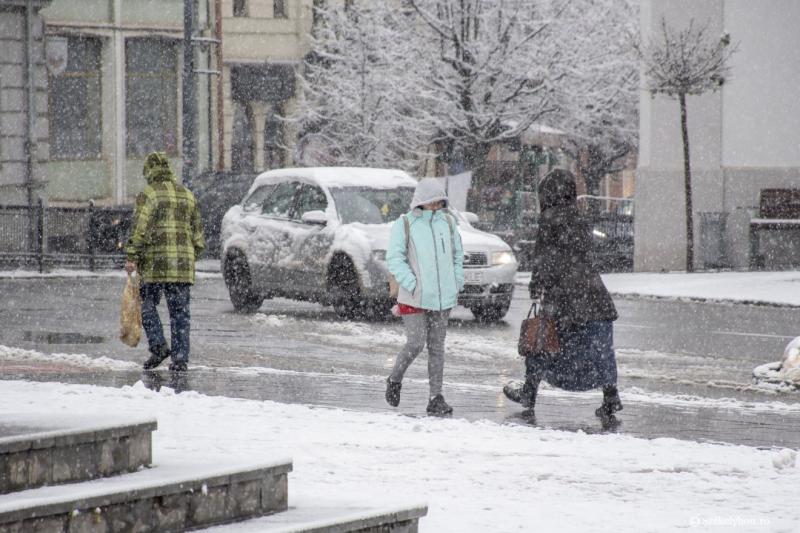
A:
[79, 476]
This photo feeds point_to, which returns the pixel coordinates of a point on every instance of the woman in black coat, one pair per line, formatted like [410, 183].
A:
[571, 291]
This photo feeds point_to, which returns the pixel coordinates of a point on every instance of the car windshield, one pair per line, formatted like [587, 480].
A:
[371, 206]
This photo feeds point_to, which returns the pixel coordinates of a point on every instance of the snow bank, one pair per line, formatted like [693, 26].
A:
[777, 288]
[19, 355]
[474, 476]
[770, 288]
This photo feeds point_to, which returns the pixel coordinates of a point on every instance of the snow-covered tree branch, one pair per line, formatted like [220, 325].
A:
[462, 74]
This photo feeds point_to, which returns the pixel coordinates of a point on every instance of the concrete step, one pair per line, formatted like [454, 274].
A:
[309, 515]
[173, 495]
[60, 449]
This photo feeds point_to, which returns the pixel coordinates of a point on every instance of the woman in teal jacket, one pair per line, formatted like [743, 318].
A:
[425, 257]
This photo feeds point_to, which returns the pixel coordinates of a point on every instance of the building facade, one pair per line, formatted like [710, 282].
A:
[114, 94]
[263, 46]
[24, 139]
[111, 90]
[743, 139]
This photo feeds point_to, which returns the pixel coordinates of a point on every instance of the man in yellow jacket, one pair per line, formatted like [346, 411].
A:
[166, 239]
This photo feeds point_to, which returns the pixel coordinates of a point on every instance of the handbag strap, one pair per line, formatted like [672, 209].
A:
[534, 309]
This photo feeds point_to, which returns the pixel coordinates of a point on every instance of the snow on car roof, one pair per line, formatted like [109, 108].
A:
[378, 178]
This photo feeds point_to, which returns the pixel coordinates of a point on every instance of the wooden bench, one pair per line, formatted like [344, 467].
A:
[778, 211]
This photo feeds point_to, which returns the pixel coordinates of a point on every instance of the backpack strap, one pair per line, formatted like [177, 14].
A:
[449, 219]
[406, 228]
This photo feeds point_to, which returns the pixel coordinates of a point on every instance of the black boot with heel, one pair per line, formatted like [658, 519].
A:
[522, 393]
[611, 402]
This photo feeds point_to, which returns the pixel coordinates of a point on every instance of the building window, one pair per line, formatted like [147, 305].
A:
[239, 8]
[151, 96]
[274, 152]
[243, 144]
[279, 9]
[75, 102]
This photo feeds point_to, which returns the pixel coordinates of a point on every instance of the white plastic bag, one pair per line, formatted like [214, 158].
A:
[790, 366]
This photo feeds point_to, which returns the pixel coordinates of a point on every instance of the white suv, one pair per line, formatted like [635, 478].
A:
[320, 234]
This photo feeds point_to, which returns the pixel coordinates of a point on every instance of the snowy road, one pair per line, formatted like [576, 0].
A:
[678, 354]
[662, 346]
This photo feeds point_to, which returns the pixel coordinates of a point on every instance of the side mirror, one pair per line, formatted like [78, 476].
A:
[250, 207]
[315, 217]
[471, 217]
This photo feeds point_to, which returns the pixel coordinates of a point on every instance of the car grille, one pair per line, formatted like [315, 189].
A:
[475, 259]
[472, 289]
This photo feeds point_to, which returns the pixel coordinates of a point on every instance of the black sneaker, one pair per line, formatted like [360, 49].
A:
[393, 392]
[438, 407]
[521, 393]
[158, 355]
[179, 366]
[611, 402]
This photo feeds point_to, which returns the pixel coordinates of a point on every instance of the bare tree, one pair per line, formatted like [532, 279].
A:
[685, 62]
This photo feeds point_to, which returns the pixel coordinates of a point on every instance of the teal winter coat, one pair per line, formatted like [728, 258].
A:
[430, 272]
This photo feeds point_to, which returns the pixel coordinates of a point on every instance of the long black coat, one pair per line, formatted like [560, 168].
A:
[563, 271]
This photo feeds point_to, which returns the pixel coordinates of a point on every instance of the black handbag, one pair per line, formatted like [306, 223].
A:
[538, 335]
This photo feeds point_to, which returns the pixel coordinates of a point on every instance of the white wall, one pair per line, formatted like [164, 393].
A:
[742, 139]
[762, 101]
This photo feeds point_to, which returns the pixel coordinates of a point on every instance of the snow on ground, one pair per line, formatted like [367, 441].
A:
[20, 355]
[475, 476]
[777, 288]
[473, 345]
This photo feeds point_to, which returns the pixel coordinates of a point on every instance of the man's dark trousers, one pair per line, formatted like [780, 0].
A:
[177, 296]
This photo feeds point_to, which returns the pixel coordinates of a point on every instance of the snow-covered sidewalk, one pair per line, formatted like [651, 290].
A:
[475, 476]
[770, 288]
[765, 288]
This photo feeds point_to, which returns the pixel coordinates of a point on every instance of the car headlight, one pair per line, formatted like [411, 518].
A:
[502, 258]
[599, 234]
[379, 256]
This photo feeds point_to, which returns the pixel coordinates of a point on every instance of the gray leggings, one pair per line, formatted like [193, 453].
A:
[430, 327]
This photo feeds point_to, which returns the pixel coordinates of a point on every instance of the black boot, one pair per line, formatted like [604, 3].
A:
[393, 392]
[611, 402]
[438, 407]
[179, 366]
[158, 355]
[522, 393]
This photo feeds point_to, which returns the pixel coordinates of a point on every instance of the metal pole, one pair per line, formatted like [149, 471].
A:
[30, 140]
[91, 234]
[189, 101]
[40, 233]
[220, 81]
[120, 140]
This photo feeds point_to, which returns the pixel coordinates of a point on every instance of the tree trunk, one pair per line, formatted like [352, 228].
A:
[687, 173]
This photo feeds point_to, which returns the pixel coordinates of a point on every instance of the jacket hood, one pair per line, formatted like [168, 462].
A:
[557, 189]
[428, 190]
[157, 168]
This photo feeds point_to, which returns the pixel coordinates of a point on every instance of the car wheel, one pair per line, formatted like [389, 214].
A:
[378, 310]
[346, 293]
[490, 312]
[240, 285]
